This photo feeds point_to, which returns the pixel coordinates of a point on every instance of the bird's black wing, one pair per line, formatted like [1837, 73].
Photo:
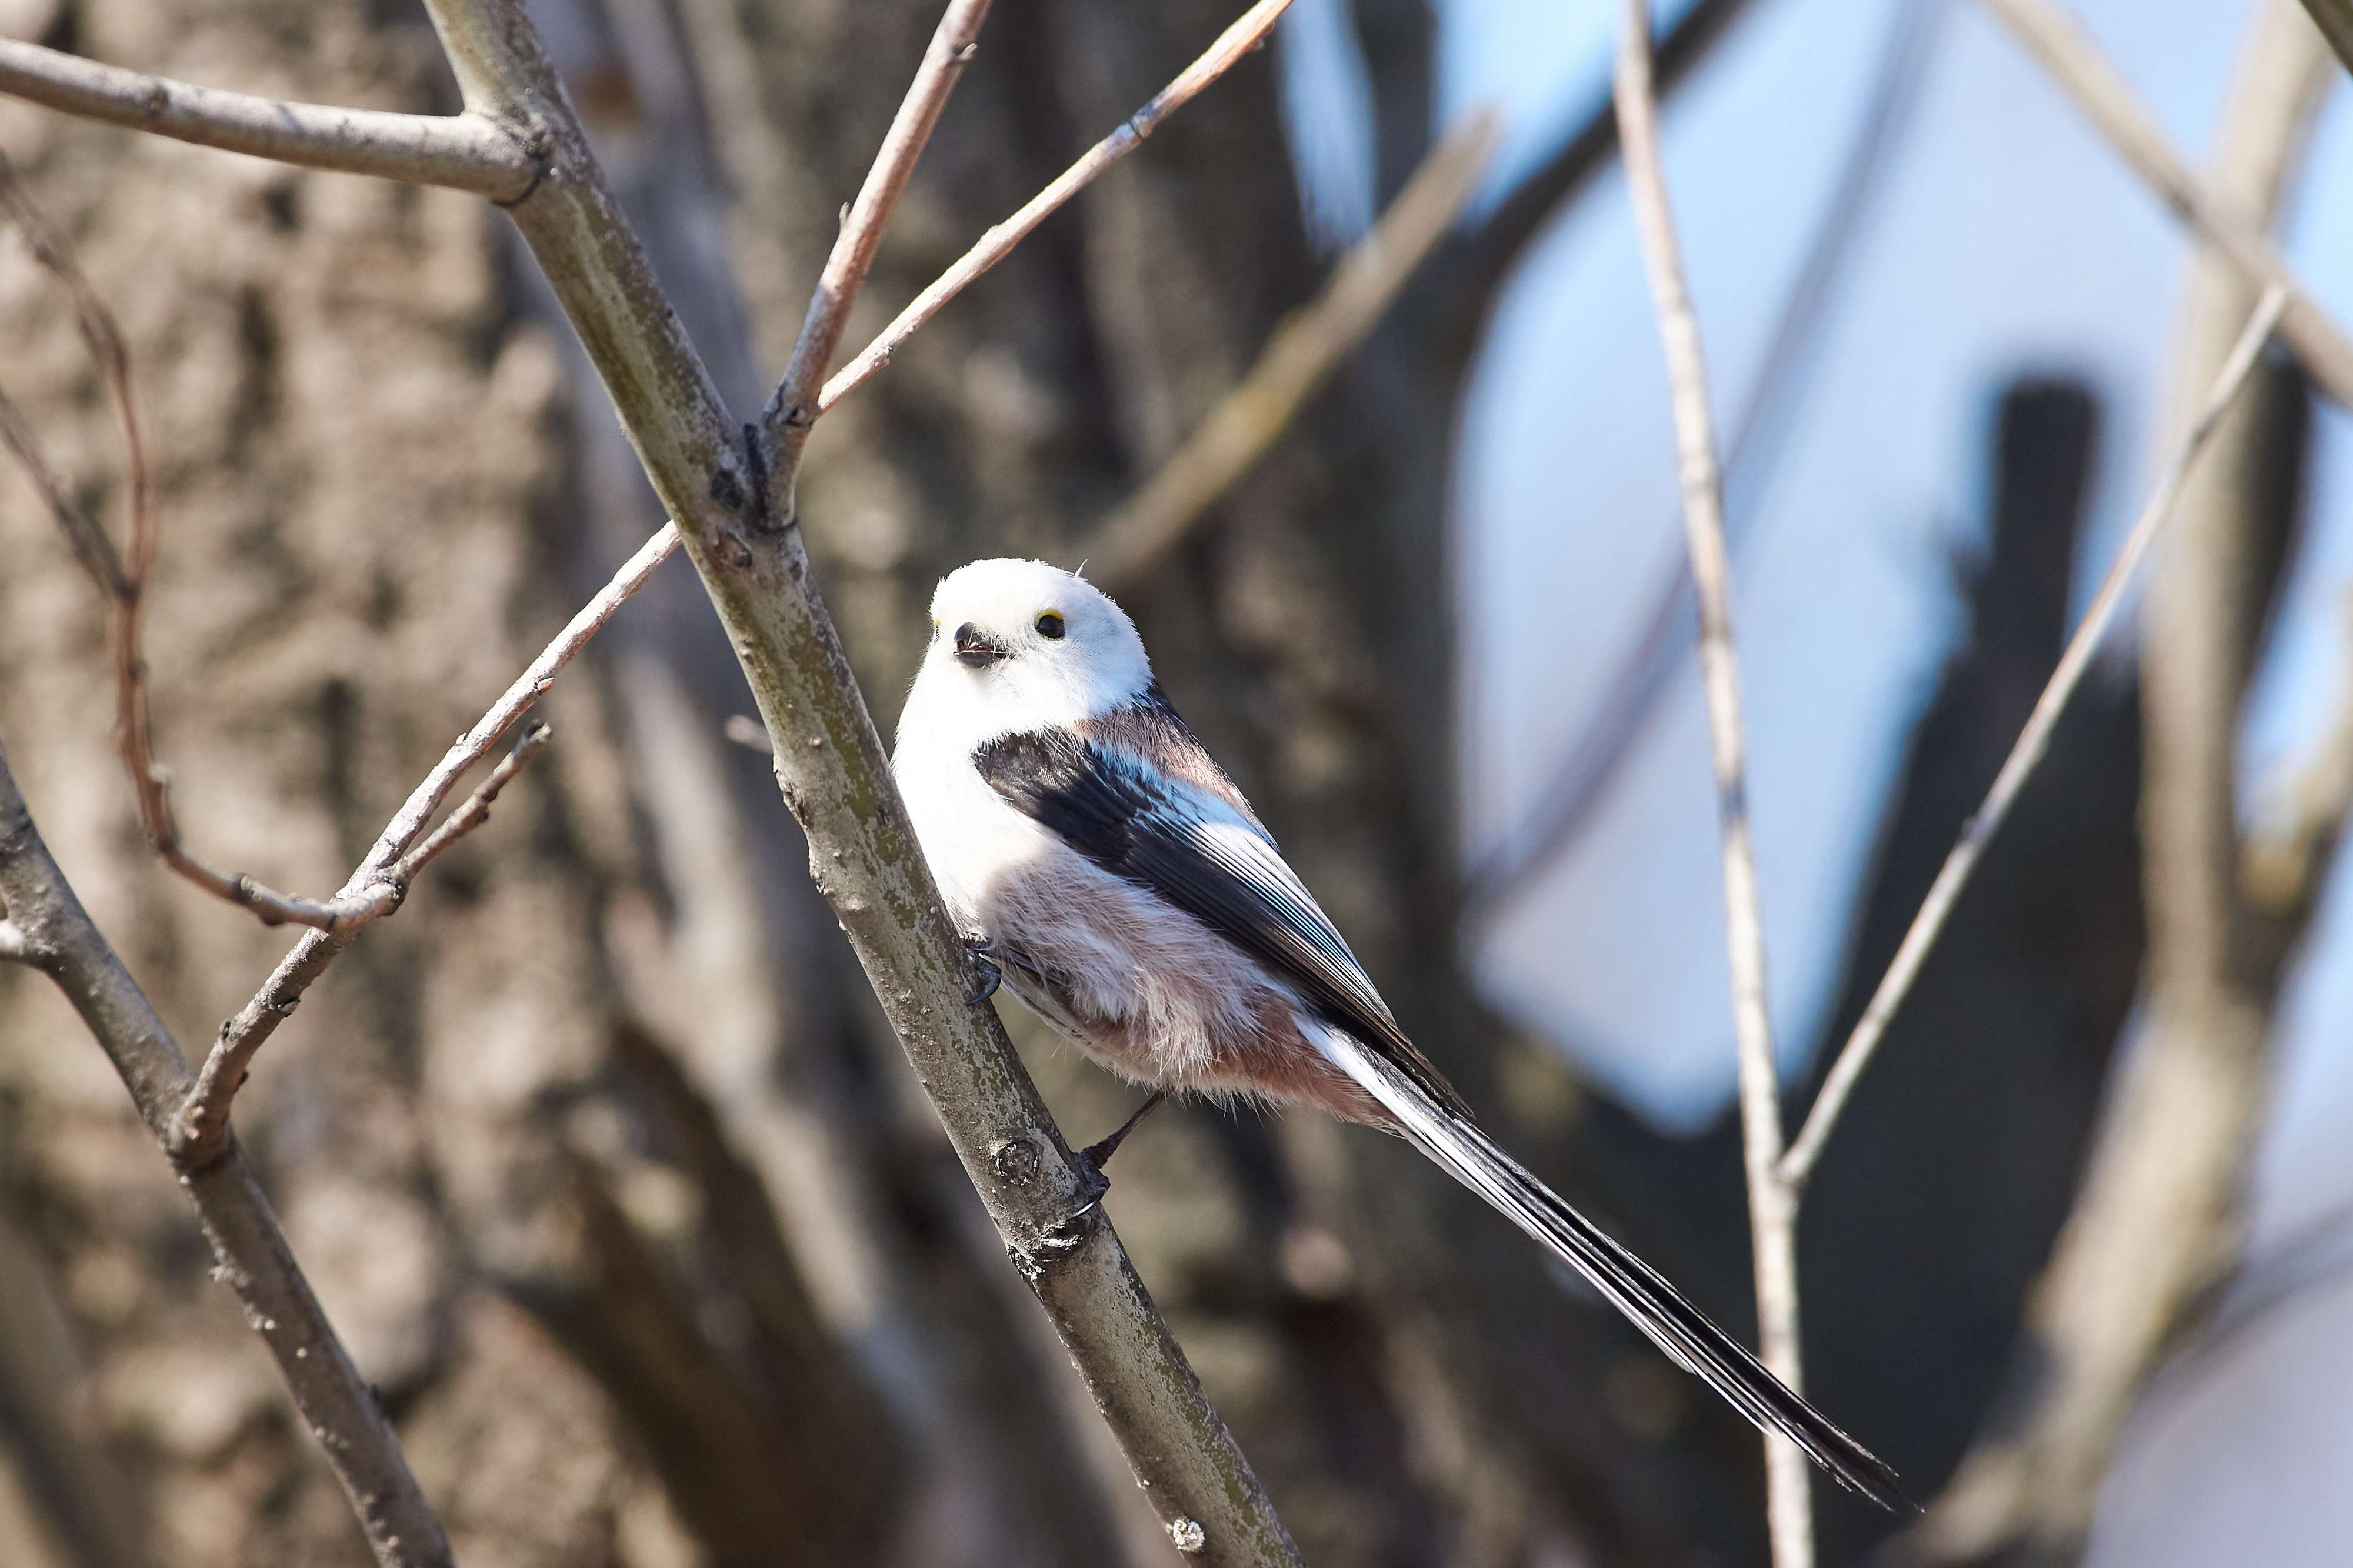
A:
[1193, 849]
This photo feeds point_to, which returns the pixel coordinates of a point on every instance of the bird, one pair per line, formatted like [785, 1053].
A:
[1106, 870]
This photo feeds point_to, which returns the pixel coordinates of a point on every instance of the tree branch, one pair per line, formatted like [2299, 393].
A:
[835, 776]
[2155, 1226]
[1772, 1205]
[50, 930]
[2068, 55]
[2032, 742]
[124, 583]
[1246, 34]
[465, 151]
[793, 408]
[1297, 360]
[200, 1126]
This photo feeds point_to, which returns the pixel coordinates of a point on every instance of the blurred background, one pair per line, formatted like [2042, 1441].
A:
[600, 1154]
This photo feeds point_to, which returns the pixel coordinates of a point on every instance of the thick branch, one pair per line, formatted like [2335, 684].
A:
[836, 777]
[1772, 1205]
[56, 935]
[464, 151]
[2073, 61]
[1297, 360]
[2032, 742]
[792, 409]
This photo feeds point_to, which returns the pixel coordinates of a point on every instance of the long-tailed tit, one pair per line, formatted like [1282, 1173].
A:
[1127, 893]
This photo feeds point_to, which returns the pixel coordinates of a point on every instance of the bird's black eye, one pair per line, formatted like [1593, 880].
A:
[1049, 626]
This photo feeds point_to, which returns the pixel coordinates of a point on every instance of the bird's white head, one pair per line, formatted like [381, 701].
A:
[1019, 645]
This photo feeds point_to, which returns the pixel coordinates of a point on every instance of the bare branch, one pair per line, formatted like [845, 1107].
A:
[465, 151]
[2157, 1224]
[1245, 35]
[49, 928]
[2077, 66]
[1299, 357]
[124, 583]
[1772, 1203]
[15, 947]
[475, 810]
[90, 544]
[792, 409]
[836, 778]
[201, 1124]
[2032, 742]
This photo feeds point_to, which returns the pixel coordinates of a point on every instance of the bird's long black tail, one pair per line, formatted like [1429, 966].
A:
[1631, 1286]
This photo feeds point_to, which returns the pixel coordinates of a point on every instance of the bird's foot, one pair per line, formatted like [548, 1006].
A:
[980, 951]
[1098, 1155]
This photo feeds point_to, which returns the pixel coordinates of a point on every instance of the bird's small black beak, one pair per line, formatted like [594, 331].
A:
[975, 650]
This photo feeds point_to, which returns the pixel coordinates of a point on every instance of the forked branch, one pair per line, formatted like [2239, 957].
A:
[793, 409]
[47, 927]
[2072, 60]
[2028, 750]
[200, 1124]
[464, 151]
[123, 582]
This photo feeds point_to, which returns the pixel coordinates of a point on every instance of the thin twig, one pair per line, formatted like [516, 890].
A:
[88, 539]
[48, 928]
[2032, 742]
[200, 1127]
[465, 151]
[123, 580]
[1236, 41]
[2073, 61]
[791, 412]
[1297, 359]
[1772, 1205]
[475, 808]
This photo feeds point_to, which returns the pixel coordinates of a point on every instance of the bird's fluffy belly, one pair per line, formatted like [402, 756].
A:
[1151, 993]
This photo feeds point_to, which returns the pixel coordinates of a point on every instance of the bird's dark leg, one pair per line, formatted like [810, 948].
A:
[1098, 1155]
[978, 951]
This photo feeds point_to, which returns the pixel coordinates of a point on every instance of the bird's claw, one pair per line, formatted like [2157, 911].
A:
[977, 952]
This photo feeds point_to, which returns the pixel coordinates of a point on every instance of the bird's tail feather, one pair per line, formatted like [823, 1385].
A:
[1631, 1286]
